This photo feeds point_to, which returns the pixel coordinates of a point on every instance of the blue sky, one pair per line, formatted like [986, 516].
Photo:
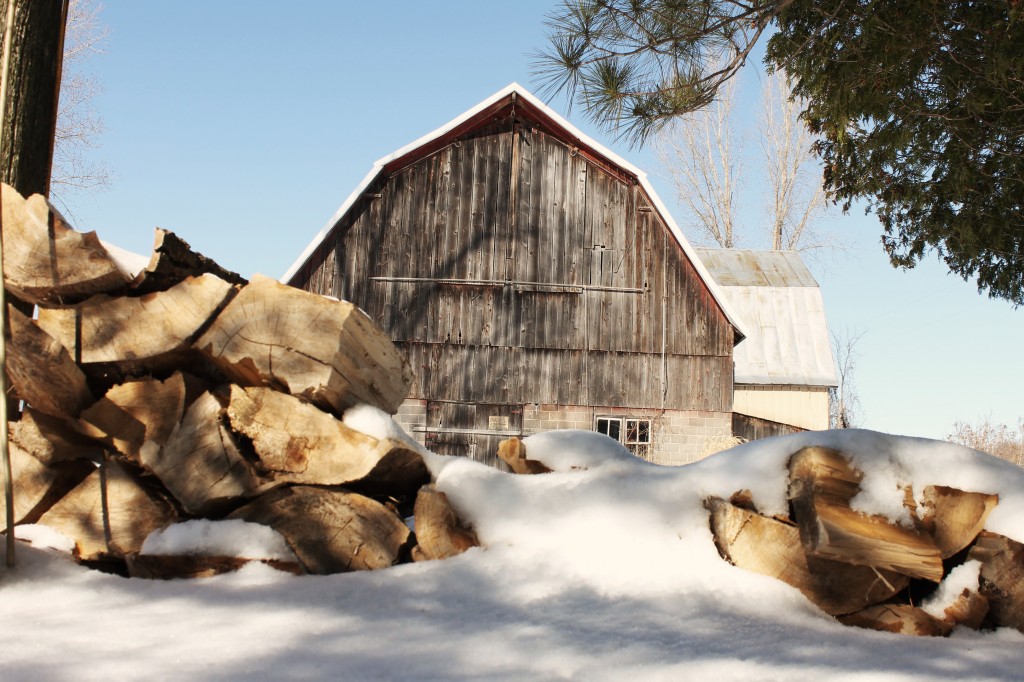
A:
[242, 126]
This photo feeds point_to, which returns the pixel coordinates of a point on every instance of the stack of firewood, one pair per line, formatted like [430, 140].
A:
[870, 571]
[184, 391]
[866, 570]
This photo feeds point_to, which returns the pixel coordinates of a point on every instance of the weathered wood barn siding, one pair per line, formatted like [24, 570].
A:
[515, 268]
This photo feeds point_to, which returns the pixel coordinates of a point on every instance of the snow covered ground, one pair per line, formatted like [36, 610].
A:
[602, 570]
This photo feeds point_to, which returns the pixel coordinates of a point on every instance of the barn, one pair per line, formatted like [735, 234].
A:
[535, 281]
[784, 368]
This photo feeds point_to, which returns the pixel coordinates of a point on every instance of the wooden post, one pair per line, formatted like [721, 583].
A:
[4, 451]
[26, 150]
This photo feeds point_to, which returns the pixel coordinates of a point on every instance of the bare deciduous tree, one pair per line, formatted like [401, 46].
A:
[697, 151]
[995, 439]
[702, 154]
[78, 123]
[844, 404]
[796, 196]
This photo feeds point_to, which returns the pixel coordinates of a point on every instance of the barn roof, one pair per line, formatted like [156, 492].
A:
[780, 302]
[547, 119]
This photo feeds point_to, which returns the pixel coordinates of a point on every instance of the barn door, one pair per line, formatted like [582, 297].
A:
[471, 430]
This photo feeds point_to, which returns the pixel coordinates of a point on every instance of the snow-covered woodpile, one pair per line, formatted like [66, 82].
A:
[867, 570]
[185, 392]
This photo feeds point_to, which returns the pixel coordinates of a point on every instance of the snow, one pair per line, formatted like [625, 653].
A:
[602, 570]
[963, 577]
[128, 262]
[230, 537]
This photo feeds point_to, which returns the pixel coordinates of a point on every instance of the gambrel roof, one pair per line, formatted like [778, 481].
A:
[527, 106]
[781, 304]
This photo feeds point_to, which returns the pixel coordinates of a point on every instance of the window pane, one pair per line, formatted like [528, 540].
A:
[610, 427]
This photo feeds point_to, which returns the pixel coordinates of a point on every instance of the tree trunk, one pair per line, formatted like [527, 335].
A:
[31, 108]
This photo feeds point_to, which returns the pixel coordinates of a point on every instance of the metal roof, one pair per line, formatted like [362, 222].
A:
[567, 130]
[780, 304]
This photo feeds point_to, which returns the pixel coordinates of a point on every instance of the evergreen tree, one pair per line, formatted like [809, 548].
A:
[919, 105]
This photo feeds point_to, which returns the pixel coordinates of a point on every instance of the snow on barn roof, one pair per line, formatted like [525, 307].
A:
[565, 131]
[779, 300]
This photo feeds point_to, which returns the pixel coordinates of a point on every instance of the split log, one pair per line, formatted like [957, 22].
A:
[38, 486]
[41, 371]
[439, 532]
[47, 262]
[298, 443]
[822, 483]
[140, 335]
[1002, 578]
[138, 412]
[969, 609]
[164, 567]
[109, 514]
[50, 439]
[174, 261]
[512, 451]
[901, 618]
[954, 517]
[327, 352]
[201, 464]
[770, 547]
[331, 531]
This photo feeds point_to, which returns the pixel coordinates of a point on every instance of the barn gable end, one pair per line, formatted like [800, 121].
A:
[536, 282]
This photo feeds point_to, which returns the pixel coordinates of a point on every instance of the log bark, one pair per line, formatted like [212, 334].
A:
[298, 443]
[109, 514]
[45, 261]
[901, 618]
[141, 335]
[174, 261]
[773, 548]
[50, 439]
[201, 463]
[38, 486]
[1002, 578]
[324, 351]
[954, 517]
[822, 483]
[331, 531]
[41, 371]
[137, 414]
[439, 532]
[512, 451]
[164, 567]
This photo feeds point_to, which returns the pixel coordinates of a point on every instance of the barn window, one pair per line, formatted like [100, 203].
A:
[635, 434]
